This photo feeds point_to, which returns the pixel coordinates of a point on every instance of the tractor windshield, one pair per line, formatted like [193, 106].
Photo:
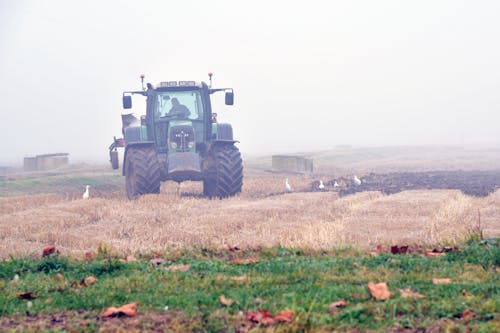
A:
[179, 104]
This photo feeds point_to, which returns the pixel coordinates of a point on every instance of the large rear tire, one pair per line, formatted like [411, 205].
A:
[225, 176]
[142, 172]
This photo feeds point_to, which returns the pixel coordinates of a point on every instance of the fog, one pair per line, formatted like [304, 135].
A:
[307, 75]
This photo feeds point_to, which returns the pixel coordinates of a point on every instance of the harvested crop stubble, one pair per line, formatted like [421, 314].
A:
[262, 216]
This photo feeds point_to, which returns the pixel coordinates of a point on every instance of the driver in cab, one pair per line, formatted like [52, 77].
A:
[178, 110]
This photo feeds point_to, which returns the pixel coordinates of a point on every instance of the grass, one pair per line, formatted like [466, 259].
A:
[284, 279]
[57, 183]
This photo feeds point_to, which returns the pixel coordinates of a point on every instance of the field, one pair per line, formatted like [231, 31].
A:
[38, 209]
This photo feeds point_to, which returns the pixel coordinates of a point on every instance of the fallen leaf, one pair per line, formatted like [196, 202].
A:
[284, 317]
[408, 293]
[441, 281]
[467, 315]
[434, 254]
[178, 268]
[225, 301]
[259, 316]
[395, 249]
[248, 261]
[48, 300]
[336, 305]
[88, 256]
[27, 295]
[129, 310]
[379, 291]
[263, 317]
[156, 261]
[48, 250]
[88, 281]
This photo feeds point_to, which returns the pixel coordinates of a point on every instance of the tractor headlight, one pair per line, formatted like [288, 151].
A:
[173, 145]
[190, 144]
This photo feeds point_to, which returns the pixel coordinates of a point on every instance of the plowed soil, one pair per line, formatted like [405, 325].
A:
[472, 183]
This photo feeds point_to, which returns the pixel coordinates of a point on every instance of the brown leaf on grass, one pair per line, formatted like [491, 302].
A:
[434, 254]
[408, 293]
[379, 291]
[129, 310]
[467, 315]
[284, 317]
[395, 249]
[88, 281]
[225, 301]
[441, 281]
[334, 307]
[48, 250]
[178, 268]
[249, 261]
[26, 295]
[257, 316]
[264, 317]
[88, 256]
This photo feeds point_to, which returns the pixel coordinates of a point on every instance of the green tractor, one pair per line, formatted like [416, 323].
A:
[178, 139]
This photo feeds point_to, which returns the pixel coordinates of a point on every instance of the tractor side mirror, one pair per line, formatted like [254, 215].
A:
[229, 98]
[127, 102]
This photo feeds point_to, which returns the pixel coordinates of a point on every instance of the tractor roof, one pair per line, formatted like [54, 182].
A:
[174, 84]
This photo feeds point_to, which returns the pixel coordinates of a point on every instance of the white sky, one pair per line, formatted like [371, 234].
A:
[307, 75]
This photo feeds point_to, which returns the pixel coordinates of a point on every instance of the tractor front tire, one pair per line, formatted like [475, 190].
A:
[225, 176]
[142, 172]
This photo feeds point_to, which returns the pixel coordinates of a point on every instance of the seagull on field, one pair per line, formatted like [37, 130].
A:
[287, 186]
[336, 184]
[357, 181]
[86, 193]
[321, 186]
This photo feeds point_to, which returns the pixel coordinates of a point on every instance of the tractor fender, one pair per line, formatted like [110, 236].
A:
[221, 143]
[142, 144]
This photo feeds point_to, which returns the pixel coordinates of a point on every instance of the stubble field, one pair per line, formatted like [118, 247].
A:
[46, 208]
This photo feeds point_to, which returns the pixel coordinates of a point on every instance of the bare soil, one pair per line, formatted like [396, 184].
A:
[473, 183]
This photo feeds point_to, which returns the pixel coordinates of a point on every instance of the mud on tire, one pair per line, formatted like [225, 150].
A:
[142, 172]
[225, 176]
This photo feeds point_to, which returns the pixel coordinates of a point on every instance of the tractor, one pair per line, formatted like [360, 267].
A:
[178, 139]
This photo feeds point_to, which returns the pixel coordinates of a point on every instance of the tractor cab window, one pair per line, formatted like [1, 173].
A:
[179, 105]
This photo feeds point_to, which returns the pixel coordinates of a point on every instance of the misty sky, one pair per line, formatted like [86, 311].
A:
[307, 75]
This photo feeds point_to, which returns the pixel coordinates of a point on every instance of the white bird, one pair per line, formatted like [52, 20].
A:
[86, 193]
[321, 186]
[287, 186]
[336, 184]
[357, 181]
